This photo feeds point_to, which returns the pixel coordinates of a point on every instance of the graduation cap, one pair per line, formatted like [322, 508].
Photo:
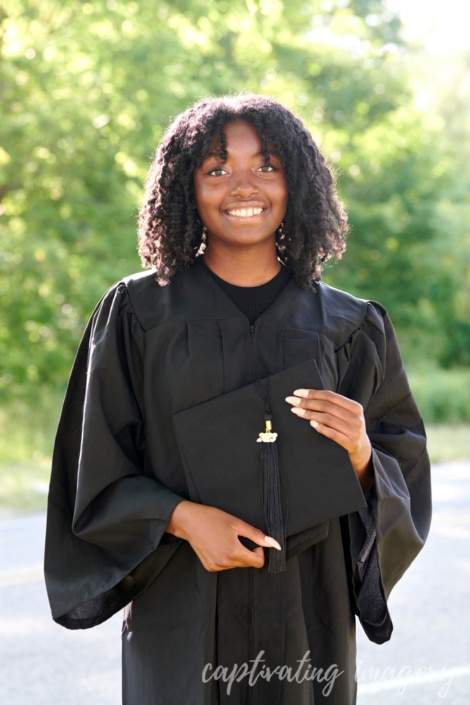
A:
[246, 453]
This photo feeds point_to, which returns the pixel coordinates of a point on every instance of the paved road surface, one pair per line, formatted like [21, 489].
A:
[426, 663]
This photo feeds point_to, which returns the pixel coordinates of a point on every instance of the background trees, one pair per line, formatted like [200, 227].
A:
[87, 89]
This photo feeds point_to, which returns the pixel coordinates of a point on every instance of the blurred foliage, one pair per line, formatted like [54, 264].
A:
[442, 396]
[87, 89]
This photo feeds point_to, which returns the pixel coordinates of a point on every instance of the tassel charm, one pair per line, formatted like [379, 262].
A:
[268, 436]
[272, 495]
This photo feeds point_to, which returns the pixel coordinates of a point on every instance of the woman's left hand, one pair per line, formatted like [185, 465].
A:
[340, 419]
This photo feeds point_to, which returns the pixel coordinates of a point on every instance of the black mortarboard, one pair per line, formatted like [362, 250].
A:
[222, 458]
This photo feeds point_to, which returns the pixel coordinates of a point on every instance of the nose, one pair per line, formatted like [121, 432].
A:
[243, 184]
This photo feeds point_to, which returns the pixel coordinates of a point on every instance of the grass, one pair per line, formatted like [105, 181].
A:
[23, 488]
[447, 443]
[442, 395]
[26, 438]
[27, 432]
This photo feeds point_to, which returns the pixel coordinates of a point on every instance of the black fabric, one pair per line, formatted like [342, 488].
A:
[254, 300]
[151, 353]
[221, 455]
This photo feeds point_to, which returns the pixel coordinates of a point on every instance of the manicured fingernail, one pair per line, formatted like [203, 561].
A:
[298, 411]
[293, 400]
[273, 543]
[314, 423]
[301, 392]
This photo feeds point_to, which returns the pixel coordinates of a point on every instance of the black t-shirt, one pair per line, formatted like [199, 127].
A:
[254, 300]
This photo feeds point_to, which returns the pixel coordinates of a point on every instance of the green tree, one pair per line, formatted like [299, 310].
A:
[87, 90]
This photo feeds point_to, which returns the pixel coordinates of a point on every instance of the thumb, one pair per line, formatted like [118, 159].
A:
[257, 554]
[258, 537]
[270, 542]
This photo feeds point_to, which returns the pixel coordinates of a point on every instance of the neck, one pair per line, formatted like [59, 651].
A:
[243, 268]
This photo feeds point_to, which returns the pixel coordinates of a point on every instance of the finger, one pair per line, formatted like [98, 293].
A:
[227, 556]
[353, 439]
[333, 433]
[270, 542]
[331, 413]
[255, 559]
[320, 400]
[295, 401]
[256, 535]
[258, 538]
[258, 555]
[304, 393]
[242, 557]
[319, 397]
[307, 397]
[344, 427]
[350, 424]
[347, 423]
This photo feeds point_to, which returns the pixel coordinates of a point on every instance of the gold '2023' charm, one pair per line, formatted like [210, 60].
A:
[268, 436]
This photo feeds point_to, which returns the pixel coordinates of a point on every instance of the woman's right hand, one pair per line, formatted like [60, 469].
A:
[213, 535]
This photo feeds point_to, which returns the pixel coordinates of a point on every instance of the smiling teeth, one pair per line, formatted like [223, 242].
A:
[246, 212]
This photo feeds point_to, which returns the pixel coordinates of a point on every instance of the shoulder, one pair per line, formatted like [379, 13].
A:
[140, 280]
[134, 294]
[350, 313]
[120, 294]
[140, 287]
[152, 303]
[341, 303]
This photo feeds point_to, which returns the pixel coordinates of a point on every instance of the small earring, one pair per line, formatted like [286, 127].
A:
[280, 232]
[203, 245]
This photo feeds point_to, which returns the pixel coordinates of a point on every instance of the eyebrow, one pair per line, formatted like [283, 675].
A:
[217, 155]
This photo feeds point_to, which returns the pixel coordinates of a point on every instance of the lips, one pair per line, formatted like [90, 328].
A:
[245, 212]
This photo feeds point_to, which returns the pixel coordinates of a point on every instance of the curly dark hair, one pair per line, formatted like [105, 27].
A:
[170, 231]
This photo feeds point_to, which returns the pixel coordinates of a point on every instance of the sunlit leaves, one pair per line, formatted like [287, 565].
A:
[87, 89]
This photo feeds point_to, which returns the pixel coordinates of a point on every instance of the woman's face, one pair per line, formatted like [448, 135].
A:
[241, 201]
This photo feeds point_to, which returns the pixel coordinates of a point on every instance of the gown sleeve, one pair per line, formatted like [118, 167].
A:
[107, 514]
[385, 537]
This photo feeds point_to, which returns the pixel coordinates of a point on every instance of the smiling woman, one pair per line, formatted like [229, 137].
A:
[171, 228]
[240, 463]
[241, 197]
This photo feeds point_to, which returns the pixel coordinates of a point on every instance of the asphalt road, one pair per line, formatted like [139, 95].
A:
[427, 662]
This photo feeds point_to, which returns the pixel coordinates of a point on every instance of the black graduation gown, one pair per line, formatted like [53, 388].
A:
[151, 352]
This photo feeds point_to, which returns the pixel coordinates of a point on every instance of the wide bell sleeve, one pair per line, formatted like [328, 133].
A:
[107, 513]
[387, 535]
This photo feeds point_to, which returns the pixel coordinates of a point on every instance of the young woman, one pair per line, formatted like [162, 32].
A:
[240, 463]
